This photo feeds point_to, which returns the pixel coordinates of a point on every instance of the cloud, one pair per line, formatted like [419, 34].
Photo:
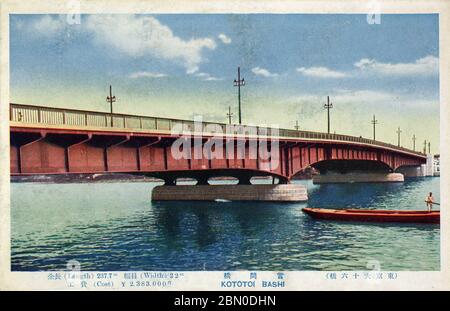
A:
[212, 79]
[206, 76]
[48, 25]
[263, 72]
[427, 65]
[224, 38]
[146, 74]
[363, 98]
[140, 36]
[321, 72]
[381, 98]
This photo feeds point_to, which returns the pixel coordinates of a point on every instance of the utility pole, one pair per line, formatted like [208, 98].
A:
[111, 99]
[374, 122]
[399, 132]
[296, 125]
[429, 147]
[239, 82]
[229, 114]
[328, 106]
[425, 146]
[414, 142]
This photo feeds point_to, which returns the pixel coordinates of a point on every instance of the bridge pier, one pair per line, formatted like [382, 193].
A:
[240, 192]
[244, 181]
[357, 177]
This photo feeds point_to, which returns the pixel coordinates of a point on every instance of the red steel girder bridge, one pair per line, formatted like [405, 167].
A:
[65, 141]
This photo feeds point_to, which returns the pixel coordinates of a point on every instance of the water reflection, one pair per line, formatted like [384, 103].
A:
[119, 228]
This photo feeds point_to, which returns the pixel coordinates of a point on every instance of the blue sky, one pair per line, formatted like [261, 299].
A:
[182, 65]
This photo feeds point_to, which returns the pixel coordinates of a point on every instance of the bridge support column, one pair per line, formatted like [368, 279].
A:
[244, 181]
[357, 177]
[170, 182]
[274, 193]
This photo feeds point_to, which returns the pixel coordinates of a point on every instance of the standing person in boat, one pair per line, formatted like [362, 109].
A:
[429, 200]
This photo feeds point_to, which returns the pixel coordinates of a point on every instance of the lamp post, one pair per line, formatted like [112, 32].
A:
[399, 131]
[328, 106]
[229, 114]
[374, 122]
[111, 99]
[239, 82]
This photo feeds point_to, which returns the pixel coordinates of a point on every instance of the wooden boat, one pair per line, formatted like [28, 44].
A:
[374, 215]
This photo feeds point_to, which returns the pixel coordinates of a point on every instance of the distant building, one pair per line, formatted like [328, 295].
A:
[429, 168]
[436, 165]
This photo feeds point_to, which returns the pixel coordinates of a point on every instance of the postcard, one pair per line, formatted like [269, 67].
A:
[239, 145]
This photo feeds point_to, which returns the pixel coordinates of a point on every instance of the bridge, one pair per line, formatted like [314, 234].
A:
[66, 141]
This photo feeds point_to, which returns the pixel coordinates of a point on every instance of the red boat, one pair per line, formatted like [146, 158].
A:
[432, 217]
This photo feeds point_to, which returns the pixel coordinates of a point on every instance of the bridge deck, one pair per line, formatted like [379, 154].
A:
[28, 116]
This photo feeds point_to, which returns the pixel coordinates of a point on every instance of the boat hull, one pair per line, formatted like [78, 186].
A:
[374, 215]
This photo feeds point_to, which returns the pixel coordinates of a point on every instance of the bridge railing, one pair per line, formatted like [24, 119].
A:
[59, 116]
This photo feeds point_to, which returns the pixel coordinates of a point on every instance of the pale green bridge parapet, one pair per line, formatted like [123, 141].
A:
[30, 114]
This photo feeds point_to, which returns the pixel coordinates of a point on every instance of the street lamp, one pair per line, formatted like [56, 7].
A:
[229, 114]
[328, 106]
[399, 131]
[374, 122]
[239, 82]
[111, 99]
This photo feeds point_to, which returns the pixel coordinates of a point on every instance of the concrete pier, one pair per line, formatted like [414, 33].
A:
[357, 177]
[273, 193]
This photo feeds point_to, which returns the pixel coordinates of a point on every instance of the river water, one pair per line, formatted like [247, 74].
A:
[115, 226]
